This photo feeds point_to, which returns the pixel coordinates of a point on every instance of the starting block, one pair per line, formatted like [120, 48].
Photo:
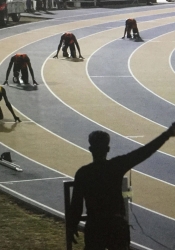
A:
[6, 161]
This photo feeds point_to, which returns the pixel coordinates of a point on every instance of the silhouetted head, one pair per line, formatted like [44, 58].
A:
[99, 143]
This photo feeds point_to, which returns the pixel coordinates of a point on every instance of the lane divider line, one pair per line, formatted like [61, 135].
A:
[129, 62]
[40, 179]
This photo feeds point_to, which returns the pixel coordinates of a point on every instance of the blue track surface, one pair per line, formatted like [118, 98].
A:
[51, 113]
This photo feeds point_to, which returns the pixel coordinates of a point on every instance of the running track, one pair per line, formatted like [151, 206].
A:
[123, 87]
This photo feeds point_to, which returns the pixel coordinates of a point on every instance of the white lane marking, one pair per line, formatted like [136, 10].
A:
[79, 112]
[31, 180]
[129, 62]
[152, 211]
[3, 122]
[133, 77]
[108, 76]
[31, 200]
[52, 169]
[138, 245]
[164, 182]
[42, 28]
[41, 205]
[134, 136]
[81, 115]
[56, 210]
[102, 93]
[39, 29]
[60, 18]
[98, 123]
[171, 67]
[58, 213]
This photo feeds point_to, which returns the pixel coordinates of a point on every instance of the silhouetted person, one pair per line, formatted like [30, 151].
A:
[99, 184]
[68, 40]
[131, 25]
[20, 63]
[9, 106]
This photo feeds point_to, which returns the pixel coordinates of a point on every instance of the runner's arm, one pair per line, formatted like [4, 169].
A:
[78, 47]
[9, 106]
[59, 46]
[8, 71]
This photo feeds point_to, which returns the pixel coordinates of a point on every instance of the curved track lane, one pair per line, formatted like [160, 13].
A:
[60, 115]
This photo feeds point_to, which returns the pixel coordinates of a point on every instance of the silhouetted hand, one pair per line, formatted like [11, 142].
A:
[6, 82]
[56, 56]
[73, 239]
[17, 119]
[71, 236]
[171, 129]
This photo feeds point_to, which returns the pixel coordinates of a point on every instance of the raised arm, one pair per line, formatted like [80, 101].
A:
[137, 156]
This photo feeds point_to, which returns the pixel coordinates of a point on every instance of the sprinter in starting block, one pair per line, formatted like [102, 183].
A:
[131, 25]
[68, 40]
[21, 63]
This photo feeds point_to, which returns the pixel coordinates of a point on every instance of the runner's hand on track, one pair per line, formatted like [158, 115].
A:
[6, 82]
[80, 56]
[17, 119]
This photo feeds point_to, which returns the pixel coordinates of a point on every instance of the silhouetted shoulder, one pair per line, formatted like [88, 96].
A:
[85, 169]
